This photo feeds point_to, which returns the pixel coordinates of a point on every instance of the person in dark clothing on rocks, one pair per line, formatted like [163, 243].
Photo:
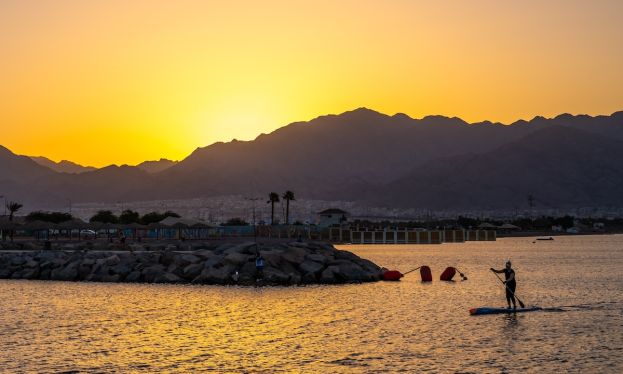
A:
[259, 266]
[510, 283]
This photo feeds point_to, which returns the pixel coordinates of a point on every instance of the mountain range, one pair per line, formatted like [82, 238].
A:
[435, 162]
[65, 166]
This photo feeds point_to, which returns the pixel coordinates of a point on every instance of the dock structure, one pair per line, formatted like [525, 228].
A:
[407, 236]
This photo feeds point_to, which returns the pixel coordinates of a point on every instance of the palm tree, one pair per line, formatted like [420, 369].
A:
[273, 198]
[13, 207]
[287, 196]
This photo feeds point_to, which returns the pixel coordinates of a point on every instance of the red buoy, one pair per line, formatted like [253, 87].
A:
[392, 275]
[425, 273]
[448, 274]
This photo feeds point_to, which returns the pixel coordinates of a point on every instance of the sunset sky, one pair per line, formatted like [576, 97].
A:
[100, 82]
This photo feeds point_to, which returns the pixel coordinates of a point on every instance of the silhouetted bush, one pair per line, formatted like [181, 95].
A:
[104, 216]
[235, 222]
[54, 217]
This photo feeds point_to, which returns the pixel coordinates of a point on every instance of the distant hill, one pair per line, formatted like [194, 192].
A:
[156, 166]
[63, 166]
[20, 176]
[20, 168]
[435, 162]
[559, 167]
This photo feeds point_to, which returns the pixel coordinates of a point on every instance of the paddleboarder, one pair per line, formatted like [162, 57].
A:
[510, 283]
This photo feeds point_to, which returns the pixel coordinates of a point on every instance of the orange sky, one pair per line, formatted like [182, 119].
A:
[102, 82]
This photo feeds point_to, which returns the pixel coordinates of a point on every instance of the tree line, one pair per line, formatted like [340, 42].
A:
[129, 216]
[103, 216]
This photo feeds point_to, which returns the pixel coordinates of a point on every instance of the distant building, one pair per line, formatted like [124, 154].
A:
[509, 227]
[333, 216]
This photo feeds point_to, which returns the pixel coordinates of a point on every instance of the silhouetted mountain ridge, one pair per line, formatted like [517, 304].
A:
[583, 169]
[366, 155]
[63, 166]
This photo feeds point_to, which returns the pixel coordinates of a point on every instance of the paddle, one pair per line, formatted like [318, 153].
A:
[521, 304]
[411, 271]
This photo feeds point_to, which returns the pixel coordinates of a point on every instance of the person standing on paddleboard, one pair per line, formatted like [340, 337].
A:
[510, 283]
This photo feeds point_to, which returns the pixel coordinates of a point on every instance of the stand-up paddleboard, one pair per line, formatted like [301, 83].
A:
[490, 310]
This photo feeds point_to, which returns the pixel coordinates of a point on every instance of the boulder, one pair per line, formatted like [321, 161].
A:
[216, 275]
[185, 260]
[112, 260]
[17, 260]
[167, 278]
[175, 269]
[191, 271]
[204, 254]
[5, 273]
[149, 274]
[309, 278]
[369, 266]
[31, 264]
[84, 271]
[223, 247]
[167, 258]
[247, 274]
[134, 276]
[275, 276]
[237, 259]
[30, 273]
[272, 258]
[88, 262]
[329, 275]
[309, 266]
[216, 260]
[66, 273]
[122, 269]
[316, 257]
[345, 255]
[110, 278]
[57, 263]
[294, 255]
[44, 274]
[148, 257]
[350, 272]
[135, 247]
[45, 256]
[244, 248]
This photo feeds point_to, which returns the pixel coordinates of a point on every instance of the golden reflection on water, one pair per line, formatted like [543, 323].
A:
[410, 326]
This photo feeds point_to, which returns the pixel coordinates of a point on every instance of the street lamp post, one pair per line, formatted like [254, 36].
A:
[253, 200]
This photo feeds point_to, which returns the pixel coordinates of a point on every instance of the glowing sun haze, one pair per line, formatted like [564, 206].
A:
[100, 82]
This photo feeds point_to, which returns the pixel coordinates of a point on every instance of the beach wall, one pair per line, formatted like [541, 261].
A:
[200, 263]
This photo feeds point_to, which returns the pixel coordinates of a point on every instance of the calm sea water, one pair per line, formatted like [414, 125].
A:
[381, 327]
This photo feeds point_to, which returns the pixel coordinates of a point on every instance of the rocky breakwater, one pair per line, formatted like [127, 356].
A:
[197, 263]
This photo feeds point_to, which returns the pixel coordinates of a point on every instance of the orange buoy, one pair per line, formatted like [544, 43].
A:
[392, 275]
[448, 274]
[426, 274]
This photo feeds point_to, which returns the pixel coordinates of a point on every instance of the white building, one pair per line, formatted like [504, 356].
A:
[333, 216]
